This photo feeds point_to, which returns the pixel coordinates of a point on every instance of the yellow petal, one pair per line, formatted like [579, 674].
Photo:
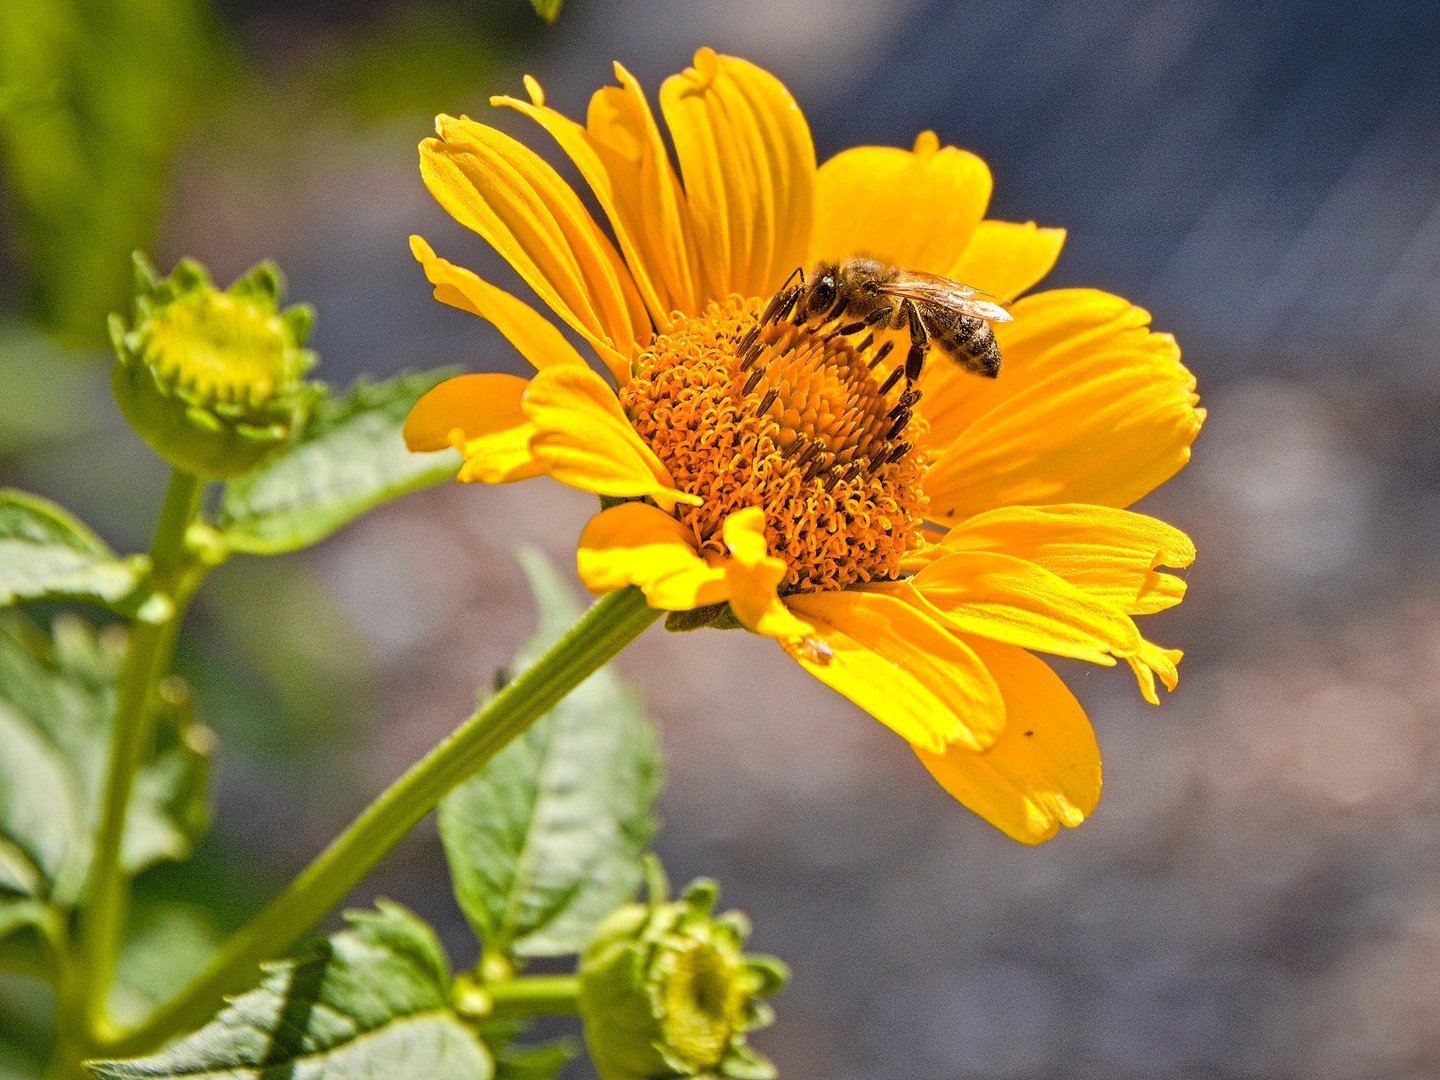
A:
[900, 666]
[911, 209]
[475, 404]
[583, 439]
[1105, 429]
[531, 333]
[752, 576]
[1049, 331]
[1111, 554]
[1044, 769]
[1151, 661]
[502, 457]
[1004, 258]
[479, 415]
[510, 196]
[749, 169]
[636, 544]
[622, 158]
[1008, 599]
[625, 134]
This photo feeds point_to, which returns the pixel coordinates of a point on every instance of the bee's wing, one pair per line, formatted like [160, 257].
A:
[941, 291]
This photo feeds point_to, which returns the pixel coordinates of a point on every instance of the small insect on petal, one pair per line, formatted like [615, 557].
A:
[815, 651]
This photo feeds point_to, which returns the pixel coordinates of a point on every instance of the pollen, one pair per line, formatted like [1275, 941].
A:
[802, 421]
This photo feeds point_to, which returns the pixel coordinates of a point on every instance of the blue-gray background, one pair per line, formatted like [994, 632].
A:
[1257, 894]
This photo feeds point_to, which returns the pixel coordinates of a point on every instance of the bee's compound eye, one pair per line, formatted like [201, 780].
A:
[823, 295]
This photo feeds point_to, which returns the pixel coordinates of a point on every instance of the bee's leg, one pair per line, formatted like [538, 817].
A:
[880, 314]
[787, 304]
[919, 341]
[782, 295]
[901, 411]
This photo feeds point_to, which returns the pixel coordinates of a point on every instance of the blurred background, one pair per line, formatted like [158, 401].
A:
[1258, 894]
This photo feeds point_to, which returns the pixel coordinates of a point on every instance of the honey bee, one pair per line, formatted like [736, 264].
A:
[953, 318]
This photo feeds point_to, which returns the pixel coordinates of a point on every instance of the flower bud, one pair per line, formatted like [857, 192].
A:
[665, 990]
[211, 379]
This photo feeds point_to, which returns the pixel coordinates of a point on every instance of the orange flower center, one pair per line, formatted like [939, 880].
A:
[797, 420]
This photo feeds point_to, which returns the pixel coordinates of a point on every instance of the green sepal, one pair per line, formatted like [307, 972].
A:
[666, 990]
[712, 616]
[212, 380]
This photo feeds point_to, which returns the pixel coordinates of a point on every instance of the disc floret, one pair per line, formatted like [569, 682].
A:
[796, 419]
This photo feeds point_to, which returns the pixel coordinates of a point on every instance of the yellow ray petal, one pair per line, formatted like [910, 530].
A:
[1106, 429]
[911, 209]
[531, 333]
[1153, 661]
[1014, 601]
[752, 576]
[622, 158]
[1044, 769]
[583, 439]
[901, 666]
[475, 404]
[636, 544]
[506, 193]
[749, 169]
[1005, 258]
[479, 415]
[1049, 331]
[1111, 554]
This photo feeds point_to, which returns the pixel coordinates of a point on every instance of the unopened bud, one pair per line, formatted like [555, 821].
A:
[213, 380]
[665, 990]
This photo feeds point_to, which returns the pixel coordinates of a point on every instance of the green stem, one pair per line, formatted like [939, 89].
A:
[534, 995]
[611, 623]
[147, 659]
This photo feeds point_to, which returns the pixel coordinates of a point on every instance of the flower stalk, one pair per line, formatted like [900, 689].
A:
[516, 996]
[174, 574]
[611, 623]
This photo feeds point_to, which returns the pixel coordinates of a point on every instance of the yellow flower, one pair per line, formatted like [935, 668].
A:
[758, 479]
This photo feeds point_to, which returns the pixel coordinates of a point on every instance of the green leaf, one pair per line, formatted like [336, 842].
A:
[369, 1001]
[549, 10]
[546, 839]
[169, 944]
[46, 553]
[538, 1062]
[349, 459]
[57, 703]
[96, 96]
[518, 1061]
